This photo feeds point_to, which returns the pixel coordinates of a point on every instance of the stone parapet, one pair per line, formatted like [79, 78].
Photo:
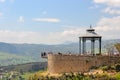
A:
[77, 63]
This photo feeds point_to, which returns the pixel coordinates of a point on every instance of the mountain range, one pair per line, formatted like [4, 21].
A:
[32, 52]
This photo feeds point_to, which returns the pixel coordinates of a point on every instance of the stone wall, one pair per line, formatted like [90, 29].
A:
[77, 63]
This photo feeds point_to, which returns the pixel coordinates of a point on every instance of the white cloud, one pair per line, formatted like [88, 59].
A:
[37, 37]
[114, 21]
[21, 19]
[2, 1]
[112, 6]
[71, 32]
[5, 1]
[66, 35]
[111, 10]
[19, 37]
[94, 7]
[46, 19]
[100, 1]
[109, 27]
[113, 3]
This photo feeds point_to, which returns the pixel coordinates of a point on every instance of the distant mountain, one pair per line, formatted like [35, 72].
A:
[8, 48]
[33, 51]
[36, 49]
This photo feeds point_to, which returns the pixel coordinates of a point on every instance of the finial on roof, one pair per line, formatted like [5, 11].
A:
[91, 29]
[90, 26]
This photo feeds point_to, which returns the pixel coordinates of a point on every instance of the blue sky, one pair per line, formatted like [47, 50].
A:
[57, 21]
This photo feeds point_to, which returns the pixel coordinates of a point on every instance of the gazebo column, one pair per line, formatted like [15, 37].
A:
[92, 46]
[99, 45]
[84, 45]
[80, 45]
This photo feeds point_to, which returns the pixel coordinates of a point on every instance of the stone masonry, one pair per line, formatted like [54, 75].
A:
[62, 63]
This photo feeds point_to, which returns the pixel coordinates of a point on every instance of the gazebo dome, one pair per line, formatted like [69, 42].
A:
[91, 33]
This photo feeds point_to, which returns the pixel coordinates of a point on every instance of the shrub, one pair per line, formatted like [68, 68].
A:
[117, 76]
[106, 68]
[117, 67]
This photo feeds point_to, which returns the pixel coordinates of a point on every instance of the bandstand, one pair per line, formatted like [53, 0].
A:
[92, 36]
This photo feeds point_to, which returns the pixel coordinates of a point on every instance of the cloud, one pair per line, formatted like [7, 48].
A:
[46, 19]
[106, 27]
[111, 10]
[94, 7]
[70, 32]
[21, 19]
[19, 36]
[2, 1]
[111, 6]
[109, 27]
[37, 37]
[113, 3]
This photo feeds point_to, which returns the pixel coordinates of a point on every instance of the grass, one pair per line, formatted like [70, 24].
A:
[97, 74]
[117, 76]
[31, 74]
[27, 75]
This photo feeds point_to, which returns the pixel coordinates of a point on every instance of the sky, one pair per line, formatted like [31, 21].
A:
[57, 21]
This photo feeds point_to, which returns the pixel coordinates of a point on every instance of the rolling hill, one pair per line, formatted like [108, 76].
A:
[23, 53]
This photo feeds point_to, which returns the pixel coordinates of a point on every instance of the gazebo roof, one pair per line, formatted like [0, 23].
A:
[90, 33]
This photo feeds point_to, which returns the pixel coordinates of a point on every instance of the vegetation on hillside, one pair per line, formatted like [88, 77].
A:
[13, 59]
[118, 46]
[21, 71]
[27, 67]
[77, 76]
[101, 73]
